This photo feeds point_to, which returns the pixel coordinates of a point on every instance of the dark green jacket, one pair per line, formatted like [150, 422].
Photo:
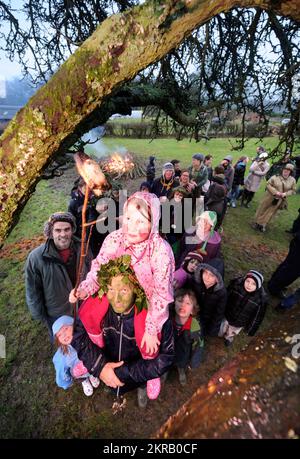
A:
[200, 176]
[47, 281]
[189, 344]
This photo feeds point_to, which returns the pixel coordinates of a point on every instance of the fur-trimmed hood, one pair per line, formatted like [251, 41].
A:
[215, 266]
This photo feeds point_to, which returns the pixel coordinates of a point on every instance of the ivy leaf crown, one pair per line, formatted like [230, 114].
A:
[121, 265]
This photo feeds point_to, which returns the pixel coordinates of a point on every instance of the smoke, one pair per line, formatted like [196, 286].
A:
[97, 147]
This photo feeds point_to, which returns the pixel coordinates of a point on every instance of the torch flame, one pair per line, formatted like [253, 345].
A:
[91, 173]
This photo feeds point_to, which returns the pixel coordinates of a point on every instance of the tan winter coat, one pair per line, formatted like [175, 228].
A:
[257, 172]
[269, 206]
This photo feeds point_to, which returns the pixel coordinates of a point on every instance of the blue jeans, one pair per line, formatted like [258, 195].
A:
[234, 194]
[291, 300]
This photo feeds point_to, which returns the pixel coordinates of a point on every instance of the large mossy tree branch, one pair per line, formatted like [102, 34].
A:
[121, 46]
[145, 94]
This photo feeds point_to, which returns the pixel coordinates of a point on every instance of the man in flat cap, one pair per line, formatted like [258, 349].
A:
[51, 269]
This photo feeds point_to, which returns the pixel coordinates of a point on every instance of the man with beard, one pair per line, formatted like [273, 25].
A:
[109, 330]
[51, 269]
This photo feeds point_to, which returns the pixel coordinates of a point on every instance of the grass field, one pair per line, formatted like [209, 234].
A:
[238, 219]
[30, 403]
[167, 149]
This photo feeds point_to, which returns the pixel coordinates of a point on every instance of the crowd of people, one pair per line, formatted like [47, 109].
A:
[152, 286]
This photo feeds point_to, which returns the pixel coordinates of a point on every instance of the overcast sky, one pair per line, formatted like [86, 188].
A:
[8, 69]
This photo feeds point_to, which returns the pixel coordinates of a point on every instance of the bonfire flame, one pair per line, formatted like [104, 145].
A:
[118, 165]
[91, 173]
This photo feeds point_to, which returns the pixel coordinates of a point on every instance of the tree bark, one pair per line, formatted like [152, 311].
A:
[66, 106]
[255, 395]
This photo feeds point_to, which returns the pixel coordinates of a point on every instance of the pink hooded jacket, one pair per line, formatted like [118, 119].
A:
[152, 261]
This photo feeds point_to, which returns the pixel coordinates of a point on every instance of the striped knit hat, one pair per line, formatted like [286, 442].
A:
[168, 167]
[192, 256]
[256, 276]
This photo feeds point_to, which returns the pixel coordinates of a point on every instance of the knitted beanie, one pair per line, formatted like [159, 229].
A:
[199, 156]
[60, 322]
[194, 256]
[229, 158]
[256, 276]
[59, 217]
[168, 167]
[191, 256]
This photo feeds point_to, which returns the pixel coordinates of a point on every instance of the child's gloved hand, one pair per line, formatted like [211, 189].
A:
[80, 295]
[151, 342]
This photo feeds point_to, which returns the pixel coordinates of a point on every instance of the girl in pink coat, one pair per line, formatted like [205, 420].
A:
[153, 262]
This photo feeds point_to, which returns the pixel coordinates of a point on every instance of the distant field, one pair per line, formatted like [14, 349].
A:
[48, 199]
[237, 220]
[168, 149]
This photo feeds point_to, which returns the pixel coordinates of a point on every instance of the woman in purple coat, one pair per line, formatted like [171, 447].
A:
[186, 270]
[202, 239]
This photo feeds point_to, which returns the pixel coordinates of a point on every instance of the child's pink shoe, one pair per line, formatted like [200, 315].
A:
[153, 388]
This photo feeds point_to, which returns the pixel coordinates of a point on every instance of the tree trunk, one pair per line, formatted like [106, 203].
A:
[255, 395]
[66, 106]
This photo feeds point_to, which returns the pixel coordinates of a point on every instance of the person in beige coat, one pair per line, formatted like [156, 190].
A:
[257, 172]
[279, 187]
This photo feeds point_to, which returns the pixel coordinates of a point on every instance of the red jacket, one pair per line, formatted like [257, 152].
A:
[92, 312]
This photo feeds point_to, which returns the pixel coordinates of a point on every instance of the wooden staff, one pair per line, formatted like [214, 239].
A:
[83, 250]
[101, 219]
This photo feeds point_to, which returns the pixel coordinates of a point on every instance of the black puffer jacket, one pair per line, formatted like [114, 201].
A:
[212, 301]
[118, 332]
[245, 309]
